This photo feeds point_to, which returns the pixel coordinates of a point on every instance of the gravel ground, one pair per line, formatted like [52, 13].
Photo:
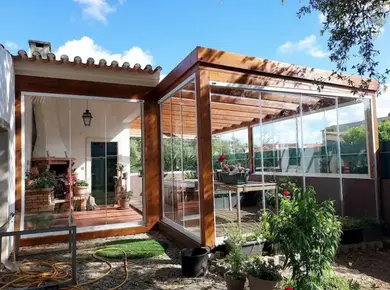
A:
[163, 272]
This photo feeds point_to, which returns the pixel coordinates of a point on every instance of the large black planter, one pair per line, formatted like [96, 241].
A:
[194, 261]
[355, 236]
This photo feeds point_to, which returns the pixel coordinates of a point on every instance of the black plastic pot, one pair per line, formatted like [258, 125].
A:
[194, 261]
[355, 236]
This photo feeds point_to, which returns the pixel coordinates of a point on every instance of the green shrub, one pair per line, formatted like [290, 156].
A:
[308, 234]
[45, 179]
[357, 223]
[258, 268]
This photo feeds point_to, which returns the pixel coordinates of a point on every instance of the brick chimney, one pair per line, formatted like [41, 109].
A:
[42, 47]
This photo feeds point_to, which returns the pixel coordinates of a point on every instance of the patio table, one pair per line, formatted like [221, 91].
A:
[243, 188]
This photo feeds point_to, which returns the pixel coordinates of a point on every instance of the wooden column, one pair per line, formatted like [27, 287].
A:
[372, 135]
[250, 148]
[152, 155]
[19, 175]
[205, 167]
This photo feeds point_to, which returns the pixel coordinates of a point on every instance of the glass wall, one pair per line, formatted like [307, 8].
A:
[81, 165]
[309, 140]
[180, 159]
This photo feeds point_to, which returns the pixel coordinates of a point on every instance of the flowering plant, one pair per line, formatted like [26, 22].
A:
[235, 169]
[221, 158]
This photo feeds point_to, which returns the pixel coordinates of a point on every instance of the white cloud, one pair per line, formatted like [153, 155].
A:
[86, 47]
[96, 9]
[321, 18]
[308, 45]
[10, 45]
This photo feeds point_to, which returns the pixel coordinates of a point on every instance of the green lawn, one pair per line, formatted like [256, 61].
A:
[134, 249]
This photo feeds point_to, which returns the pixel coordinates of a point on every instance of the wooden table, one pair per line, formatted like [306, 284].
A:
[247, 187]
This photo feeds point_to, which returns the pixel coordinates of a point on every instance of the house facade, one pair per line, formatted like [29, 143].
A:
[166, 137]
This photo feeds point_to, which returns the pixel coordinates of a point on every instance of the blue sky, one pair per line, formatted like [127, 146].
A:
[162, 32]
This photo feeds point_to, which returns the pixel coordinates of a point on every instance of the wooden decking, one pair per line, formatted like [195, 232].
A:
[101, 216]
[224, 217]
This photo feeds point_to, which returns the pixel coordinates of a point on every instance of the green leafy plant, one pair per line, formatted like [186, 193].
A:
[80, 182]
[258, 268]
[126, 195]
[235, 260]
[357, 222]
[45, 179]
[308, 234]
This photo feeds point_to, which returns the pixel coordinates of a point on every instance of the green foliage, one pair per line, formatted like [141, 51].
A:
[258, 268]
[384, 130]
[357, 222]
[80, 182]
[235, 259]
[308, 234]
[352, 27]
[135, 154]
[330, 282]
[355, 135]
[45, 179]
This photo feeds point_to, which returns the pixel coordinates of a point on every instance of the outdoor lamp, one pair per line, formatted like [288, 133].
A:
[87, 117]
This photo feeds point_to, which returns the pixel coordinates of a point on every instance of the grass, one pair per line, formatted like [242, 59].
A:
[134, 249]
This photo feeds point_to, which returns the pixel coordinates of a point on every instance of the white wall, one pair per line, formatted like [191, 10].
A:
[7, 116]
[61, 128]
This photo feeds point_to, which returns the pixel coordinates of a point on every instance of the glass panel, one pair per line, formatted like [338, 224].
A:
[353, 135]
[237, 194]
[180, 162]
[167, 167]
[191, 212]
[48, 157]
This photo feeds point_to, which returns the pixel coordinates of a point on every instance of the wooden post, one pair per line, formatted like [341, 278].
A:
[250, 149]
[205, 167]
[152, 155]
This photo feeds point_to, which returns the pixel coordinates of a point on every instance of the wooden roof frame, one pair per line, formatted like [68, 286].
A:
[225, 67]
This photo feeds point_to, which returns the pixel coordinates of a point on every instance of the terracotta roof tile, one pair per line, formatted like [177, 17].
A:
[64, 59]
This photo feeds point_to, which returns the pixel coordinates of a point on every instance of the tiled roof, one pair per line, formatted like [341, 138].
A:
[77, 61]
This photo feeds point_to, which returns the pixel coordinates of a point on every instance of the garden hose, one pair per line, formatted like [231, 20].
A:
[26, 277]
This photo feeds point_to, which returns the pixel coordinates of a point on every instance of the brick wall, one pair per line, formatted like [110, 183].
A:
[39, 200]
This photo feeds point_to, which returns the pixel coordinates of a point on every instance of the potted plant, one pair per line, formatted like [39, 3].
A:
[262, 275]
[234, 174]
[80, 188]
[359, 229]
[45, 181]
[124, 200]
[235, 276]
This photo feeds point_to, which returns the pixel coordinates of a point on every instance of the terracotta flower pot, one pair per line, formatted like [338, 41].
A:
[260, 284]
[124, 203]
[80, 190]
[233, 284]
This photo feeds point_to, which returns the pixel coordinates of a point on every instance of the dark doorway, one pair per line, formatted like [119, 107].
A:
[104, 157]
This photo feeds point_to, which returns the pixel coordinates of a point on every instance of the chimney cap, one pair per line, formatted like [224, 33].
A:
[39, 43]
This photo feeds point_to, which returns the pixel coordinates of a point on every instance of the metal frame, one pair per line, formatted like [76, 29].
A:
[71, 229]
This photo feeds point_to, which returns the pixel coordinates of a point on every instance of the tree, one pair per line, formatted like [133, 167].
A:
[384, 130]
[353, 26]
[357, 135]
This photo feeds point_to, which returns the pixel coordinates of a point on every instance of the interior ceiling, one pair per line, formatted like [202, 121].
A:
[234, 108]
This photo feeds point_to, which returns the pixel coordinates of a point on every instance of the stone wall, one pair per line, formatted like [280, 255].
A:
[39, 200]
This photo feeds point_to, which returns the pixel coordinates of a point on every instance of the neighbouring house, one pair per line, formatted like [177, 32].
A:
[66, 125]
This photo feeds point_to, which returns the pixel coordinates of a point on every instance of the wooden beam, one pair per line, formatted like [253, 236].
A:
[205, 167]
[19, 176]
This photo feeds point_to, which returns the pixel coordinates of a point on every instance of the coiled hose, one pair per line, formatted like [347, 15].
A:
[28, 278]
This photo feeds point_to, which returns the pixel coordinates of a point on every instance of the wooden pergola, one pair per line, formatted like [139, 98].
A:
[257, 90]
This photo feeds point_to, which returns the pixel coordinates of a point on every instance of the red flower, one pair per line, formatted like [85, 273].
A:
[221, 158]
[286, 193]
[289, 288]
